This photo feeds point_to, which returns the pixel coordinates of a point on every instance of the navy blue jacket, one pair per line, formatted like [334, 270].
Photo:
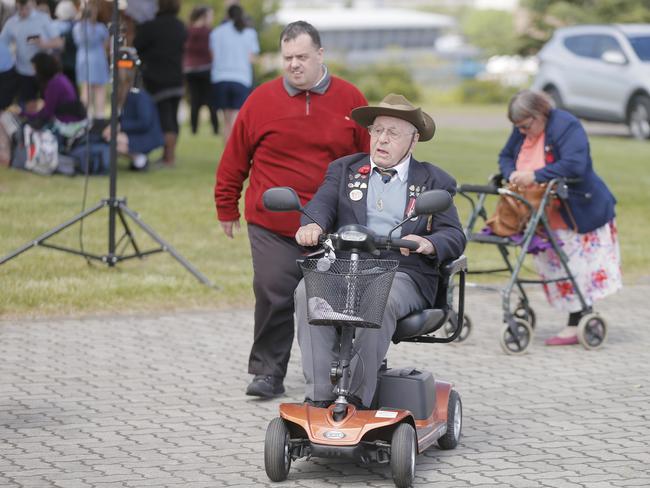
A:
[139, 120]
[333, 208]
[566, 147]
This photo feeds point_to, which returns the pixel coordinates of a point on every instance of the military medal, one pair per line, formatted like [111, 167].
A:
[410, 207]
[356, 195]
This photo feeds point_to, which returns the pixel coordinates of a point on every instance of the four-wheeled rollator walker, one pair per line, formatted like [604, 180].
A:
[411, 410]
[519, 323]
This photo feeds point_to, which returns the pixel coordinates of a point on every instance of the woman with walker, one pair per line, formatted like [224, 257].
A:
[548, 143]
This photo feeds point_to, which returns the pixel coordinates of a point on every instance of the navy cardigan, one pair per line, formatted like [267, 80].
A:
[140, 121]
[567, 154]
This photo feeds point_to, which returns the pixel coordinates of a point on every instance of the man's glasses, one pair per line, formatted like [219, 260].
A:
[527, 125]
[378, 130]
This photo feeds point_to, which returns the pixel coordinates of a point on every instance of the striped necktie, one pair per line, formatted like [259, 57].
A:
[386, 174]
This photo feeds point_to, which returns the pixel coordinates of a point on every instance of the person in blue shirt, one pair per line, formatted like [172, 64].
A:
[8, 77]
[30, 31]
[91, 39]
[234, 47]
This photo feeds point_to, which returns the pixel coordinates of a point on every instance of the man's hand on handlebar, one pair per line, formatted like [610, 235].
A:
[307, 235]
[425, 245]
[228, 226]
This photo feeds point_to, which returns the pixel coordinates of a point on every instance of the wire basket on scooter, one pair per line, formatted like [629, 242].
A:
[352, 293]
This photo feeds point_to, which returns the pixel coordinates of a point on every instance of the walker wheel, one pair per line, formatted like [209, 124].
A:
[525, 312]
[592, 331]
[516, 337]
[450, 327]
[277, 456]
[403, 449]
[454, 422]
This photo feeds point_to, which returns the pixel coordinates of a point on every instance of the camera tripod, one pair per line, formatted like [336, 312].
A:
[117, 207]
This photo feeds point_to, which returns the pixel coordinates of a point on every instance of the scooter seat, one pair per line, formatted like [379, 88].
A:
[419, 323]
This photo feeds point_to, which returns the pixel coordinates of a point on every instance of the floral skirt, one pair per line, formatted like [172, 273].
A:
[594, 259]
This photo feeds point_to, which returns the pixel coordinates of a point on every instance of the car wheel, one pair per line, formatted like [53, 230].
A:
[638, 119]
[553, 92]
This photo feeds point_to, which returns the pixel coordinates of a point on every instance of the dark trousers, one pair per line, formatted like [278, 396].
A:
[200, 92]
[275, 277]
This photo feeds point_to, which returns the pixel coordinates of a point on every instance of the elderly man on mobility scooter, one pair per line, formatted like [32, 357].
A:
[378, 191]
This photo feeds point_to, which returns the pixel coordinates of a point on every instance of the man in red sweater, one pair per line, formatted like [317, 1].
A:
[286, 134]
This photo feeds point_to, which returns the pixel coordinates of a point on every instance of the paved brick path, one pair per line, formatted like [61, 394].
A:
[158, 401]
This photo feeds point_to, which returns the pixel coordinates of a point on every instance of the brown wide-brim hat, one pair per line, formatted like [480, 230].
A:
[397, 106]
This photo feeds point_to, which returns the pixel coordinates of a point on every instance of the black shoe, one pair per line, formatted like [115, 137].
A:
[265, 386]
[318, 403]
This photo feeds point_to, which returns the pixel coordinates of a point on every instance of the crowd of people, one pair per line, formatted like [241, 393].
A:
[211, 64]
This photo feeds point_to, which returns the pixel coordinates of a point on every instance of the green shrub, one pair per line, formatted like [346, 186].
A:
[377, 81]
[374, 81]
[484, 92]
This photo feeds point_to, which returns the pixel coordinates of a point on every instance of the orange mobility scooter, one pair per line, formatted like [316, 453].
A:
[411, 410]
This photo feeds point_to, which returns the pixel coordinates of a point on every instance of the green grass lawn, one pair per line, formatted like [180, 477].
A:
[178, 204]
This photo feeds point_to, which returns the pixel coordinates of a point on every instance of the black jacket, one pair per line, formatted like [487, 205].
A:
[160, 43]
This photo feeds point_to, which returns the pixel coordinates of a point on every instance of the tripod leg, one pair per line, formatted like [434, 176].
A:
[166, 247]
[128, 232]
[43, 237]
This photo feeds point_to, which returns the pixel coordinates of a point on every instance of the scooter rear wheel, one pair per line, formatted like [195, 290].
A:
[277, 458]
[450, 327]
[454, 422]
[402, 455]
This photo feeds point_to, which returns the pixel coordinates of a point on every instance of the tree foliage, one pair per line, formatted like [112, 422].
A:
[491, 30]
[547, 15]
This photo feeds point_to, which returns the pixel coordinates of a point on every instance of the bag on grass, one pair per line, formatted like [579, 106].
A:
[42, 150]
[512, 215]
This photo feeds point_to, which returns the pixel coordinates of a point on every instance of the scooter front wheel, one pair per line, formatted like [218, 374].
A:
[402, 455]
[277, 458]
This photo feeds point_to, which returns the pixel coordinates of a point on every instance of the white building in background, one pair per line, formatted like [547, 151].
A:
[481, 4]
[371, 29]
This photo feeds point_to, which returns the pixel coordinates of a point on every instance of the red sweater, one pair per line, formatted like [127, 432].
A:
[286, 141]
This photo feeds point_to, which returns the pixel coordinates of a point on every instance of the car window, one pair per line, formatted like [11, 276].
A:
[591, 45]
[641, 46]
[580, 45]
[606, 43]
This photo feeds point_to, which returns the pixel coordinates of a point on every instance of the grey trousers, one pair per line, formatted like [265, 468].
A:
[319, 344]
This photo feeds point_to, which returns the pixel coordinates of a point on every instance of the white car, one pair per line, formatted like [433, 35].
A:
[600, 72]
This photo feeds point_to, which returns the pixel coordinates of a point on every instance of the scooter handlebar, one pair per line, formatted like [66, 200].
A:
[381, 242]
[397, 243]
